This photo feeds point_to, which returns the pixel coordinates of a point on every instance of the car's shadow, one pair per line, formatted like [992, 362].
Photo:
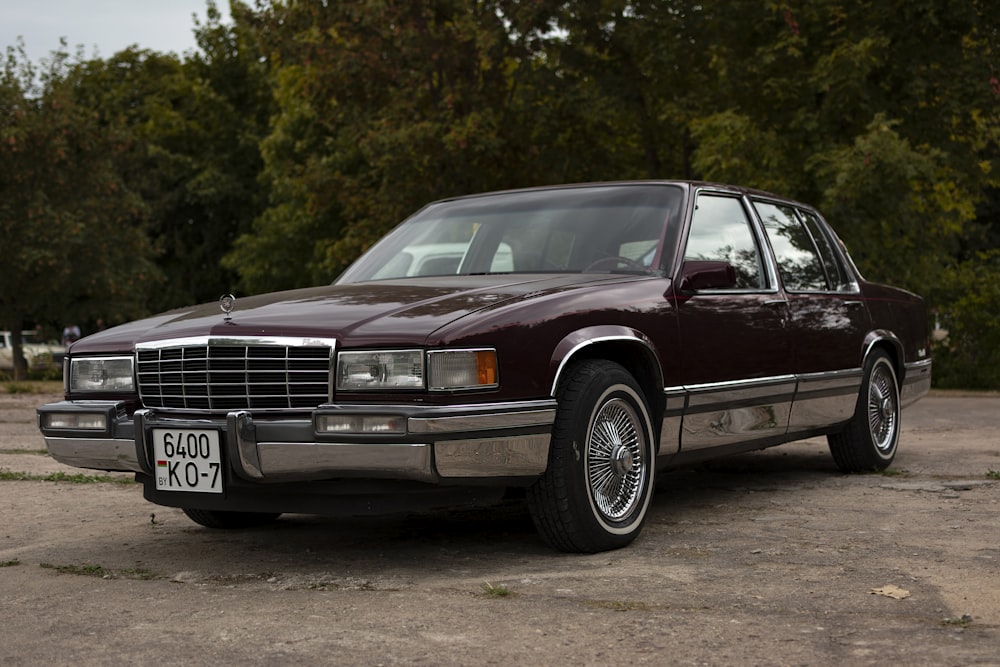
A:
[472, 538]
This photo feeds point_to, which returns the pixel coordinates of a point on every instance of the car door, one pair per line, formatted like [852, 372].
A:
[735, 361]
[828, 319]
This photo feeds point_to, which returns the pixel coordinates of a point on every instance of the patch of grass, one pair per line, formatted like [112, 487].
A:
[33, 387]
[41, 452]
[10, 563]
[18, 388]
[619, 605]
[992, 474]
[138, 573]
[12, 476]
[498, 591]
[963, 621]
[887, 472]
[88, 570]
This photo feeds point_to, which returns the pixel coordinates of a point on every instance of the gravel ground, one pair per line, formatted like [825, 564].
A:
[771, 558]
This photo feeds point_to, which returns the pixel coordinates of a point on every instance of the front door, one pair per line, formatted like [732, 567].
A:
[734, 342]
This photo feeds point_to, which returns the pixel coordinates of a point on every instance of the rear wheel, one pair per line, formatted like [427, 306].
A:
[869, 440]
[221, 519]
[597, 488]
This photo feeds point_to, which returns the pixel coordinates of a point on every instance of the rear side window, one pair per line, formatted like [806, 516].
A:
[799, 262]
[836, 273]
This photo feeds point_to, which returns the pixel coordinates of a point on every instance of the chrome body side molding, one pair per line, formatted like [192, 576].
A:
[822, 399]
[723, 413]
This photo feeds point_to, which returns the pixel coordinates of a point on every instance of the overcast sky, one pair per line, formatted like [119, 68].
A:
[103, 27]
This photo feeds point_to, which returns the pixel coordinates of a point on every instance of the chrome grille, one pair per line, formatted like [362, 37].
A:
[218, 375]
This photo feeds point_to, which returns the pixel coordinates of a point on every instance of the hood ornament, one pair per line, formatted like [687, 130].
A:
[227, 302]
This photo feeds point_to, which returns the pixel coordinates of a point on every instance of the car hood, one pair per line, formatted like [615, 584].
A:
[395, 312]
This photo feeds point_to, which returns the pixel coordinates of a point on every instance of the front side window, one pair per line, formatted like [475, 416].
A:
[720, 231]
[799, 262]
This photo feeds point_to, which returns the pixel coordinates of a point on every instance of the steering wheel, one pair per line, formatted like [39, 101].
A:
[613, 261]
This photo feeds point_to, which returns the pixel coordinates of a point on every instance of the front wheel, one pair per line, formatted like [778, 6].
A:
[869, 440]
[597, 488]
[222, 519]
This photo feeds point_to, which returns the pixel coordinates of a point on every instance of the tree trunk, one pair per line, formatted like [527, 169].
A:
[17, 349]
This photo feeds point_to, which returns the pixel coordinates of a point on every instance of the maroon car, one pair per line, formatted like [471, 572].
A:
[561, 342]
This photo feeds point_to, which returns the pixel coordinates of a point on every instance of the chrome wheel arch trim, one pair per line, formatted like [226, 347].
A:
[882, 336]
[570, 346]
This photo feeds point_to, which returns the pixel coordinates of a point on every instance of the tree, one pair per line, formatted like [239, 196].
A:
[881, 115]
[384, 106]
[195, 157]
[73, 234]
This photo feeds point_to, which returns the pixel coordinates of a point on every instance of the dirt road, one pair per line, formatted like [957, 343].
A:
[764, 559]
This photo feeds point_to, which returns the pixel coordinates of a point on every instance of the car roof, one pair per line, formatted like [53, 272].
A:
[687, 185]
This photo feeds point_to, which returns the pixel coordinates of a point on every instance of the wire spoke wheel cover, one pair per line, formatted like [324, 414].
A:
[870, 439]
[596, 491]
[883, 414]
[615, 459]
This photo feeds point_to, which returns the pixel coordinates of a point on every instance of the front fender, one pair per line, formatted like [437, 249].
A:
[580, 342]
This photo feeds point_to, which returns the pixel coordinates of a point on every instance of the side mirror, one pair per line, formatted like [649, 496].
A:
[698, 274]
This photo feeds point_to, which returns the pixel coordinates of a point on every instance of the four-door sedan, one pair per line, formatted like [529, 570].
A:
[561, 342]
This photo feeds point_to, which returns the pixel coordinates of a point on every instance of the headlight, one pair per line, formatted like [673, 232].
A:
[101, 374]
[380, 370]
[462, 369]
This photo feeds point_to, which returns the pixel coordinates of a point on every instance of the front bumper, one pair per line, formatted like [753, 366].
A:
[497, 440]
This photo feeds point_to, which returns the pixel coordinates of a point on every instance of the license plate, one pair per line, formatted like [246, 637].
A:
[187, 460]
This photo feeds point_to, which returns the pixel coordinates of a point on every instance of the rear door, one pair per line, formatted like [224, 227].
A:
[828, 318]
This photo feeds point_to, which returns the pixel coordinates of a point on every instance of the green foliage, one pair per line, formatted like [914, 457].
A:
[893, 205]
[139, 574]
[79, 478]
[32, 387]
[968, 311]
[72, 229]
[382, 107]
[302, 131]
[496, 591]
[196, 128]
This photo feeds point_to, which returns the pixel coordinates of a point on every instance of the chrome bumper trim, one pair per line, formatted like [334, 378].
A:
[95, 453]
[916, 382]
[240, 427]
[319, 460]
[482, 422]
[491, 457]
[493, 440]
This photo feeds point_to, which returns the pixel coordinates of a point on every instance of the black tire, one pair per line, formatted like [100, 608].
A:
[869, 440]
[221, 519]
[596, 490]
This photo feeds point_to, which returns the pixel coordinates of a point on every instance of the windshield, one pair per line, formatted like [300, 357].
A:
[615, 228]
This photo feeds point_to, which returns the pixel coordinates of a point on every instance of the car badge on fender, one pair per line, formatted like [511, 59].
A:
[227, 302]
